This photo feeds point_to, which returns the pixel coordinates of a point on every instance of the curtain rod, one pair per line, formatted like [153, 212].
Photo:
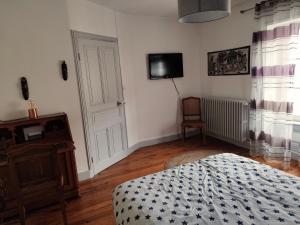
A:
[246, 10]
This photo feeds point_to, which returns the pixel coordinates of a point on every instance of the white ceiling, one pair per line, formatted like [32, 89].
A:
[166, 8]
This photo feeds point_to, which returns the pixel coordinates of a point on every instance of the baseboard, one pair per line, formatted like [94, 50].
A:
[134, 147]
[85, 175]
[242, 145]
[88, 174]
[153, 141]
[158, 140]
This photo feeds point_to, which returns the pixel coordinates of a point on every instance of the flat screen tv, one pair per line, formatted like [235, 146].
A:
[165, 65]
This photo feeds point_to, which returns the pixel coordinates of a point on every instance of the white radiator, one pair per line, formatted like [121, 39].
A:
[226, 119]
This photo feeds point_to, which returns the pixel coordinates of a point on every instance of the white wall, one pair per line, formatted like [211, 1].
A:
[34, 37]
[89, 17]
[156, 102]
[151, 106]
[231, 32]
[92, 18]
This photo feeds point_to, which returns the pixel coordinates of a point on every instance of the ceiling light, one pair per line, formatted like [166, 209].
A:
[199, 11]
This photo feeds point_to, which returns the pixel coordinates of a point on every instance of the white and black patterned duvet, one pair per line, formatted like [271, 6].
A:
[222, 189]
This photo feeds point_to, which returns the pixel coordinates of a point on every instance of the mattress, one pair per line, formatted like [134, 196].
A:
[221, 189]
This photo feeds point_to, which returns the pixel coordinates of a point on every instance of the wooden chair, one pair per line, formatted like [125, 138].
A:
[35, 157]
[191, 111]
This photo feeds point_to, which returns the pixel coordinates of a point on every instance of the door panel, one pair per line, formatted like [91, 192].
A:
[106, 118]
[102, 151]
[116, 137]
[93, 77]
[101, 90]
[111, 69]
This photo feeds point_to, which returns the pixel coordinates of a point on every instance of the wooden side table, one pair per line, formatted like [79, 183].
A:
[16, 136]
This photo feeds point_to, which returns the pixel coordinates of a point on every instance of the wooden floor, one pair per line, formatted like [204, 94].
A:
[94, 206]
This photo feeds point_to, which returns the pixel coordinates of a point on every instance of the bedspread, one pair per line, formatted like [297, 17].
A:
[221, 189]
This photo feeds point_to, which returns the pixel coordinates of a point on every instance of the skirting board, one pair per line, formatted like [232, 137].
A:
[85, 175]
[242, 145]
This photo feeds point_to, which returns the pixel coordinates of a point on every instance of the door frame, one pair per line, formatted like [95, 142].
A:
[76, 35]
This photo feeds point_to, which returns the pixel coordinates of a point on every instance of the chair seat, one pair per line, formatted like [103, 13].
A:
[193, 123]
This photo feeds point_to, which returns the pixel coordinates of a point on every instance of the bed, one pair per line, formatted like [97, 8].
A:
[221, 189]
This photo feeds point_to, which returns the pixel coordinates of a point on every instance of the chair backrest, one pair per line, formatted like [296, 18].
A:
[34, 166]
[191, 108]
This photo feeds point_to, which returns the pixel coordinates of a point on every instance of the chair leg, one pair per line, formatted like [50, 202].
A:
[183, 133]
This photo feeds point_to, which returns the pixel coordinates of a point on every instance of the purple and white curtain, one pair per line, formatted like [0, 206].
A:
[275, 78]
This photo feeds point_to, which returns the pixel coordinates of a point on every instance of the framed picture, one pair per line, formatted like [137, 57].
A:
[234, 61]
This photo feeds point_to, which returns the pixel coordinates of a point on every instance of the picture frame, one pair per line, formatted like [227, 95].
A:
[235, 61]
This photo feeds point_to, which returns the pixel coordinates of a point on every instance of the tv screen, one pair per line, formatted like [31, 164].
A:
[163, 66]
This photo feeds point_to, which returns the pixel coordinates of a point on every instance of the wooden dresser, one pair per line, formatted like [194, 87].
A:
[51, 129]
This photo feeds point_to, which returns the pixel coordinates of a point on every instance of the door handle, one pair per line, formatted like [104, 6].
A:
[120, 103]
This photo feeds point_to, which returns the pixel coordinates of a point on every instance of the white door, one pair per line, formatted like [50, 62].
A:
[102, 101]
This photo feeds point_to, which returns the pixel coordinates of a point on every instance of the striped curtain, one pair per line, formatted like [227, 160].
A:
[275, 76]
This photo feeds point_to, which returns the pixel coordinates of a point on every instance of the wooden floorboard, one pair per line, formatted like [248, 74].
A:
[94, 206]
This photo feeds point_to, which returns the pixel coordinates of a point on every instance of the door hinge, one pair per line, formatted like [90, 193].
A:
[78, 56]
